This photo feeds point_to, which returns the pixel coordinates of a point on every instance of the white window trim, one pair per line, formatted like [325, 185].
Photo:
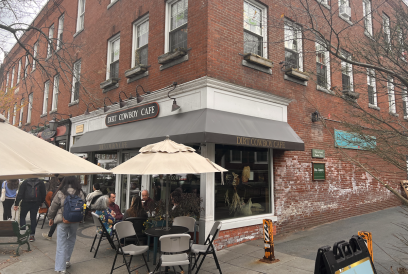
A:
[108, 58]
[35, 54]
[46, 95]
[369, 16]
[19, 71]
[30, 107]
[387, 29]
[235, 162]
[60, 30]
[73, 78]
[391, 96]
[299, 40]
[167, 25]
[327, 63]
[374, 85]
[14, 113]
[12, 77]
[50, 41]
[55, 92]
[78, 24]
[7, 80]
[405, 99]
[350, 70]
[134, 46]
[20, 122]
[264, 26]
[26, 66]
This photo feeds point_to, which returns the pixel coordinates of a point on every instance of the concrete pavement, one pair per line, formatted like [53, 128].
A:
[296, 251]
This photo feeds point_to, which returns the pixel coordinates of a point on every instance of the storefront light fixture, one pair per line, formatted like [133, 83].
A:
[174, 106]
[87, 108]
[315, 116]
[139, 98]
[105, 107]
[123, 103]
[54, 122]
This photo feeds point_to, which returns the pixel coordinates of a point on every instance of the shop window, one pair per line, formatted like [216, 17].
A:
[130, 185]
[247, 185]
[106, 181]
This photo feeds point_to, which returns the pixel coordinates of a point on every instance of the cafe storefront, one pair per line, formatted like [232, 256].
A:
[242, 140]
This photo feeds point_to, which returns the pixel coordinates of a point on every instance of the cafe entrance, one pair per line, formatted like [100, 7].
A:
[130, 185]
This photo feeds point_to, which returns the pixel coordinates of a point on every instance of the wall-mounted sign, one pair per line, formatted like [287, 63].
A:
[48, 134]
[318, 171]
[79, 128]
[352, 140]
[318, 153]
[134, 114]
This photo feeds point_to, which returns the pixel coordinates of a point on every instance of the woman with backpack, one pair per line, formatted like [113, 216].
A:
[51, 188]
[68, 198]
[11, 187]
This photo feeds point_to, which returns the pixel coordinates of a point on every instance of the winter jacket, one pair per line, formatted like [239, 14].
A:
[91, 196]
[57, 205]
[48, 199]
[21, 196]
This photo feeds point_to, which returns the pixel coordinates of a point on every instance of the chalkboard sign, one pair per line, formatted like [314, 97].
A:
[319, 171]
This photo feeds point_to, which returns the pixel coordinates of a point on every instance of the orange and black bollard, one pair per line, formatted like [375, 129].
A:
[268, 242]
[367, 236]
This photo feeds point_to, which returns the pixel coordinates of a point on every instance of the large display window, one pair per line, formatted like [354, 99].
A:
[246, 188]
[107, 161]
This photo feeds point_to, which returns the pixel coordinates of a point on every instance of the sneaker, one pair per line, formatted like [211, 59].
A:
[32, 239]
[63, 271]
[45, 235]
[68, 264]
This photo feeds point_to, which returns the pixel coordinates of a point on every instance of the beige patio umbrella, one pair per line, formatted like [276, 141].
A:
[167, 157]
[23, 155]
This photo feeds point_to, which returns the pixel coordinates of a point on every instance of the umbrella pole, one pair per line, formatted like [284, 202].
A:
[167, 202]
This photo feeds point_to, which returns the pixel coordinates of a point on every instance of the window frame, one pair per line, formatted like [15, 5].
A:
[20, 120]
[12, 76]
[372, 82]
[60, 31]
[111, 41]
[35, 54]
[26, 66]
[30, 107]
[405, 102]
[55, 92]
[296, 29]
[327, 64]
[347, 4]
[81, 15]
[264, 26]
[236, 162]
[348, 56]
[168, 24]
[7, 80]
[45, 98]
[50, 41]
[139, 22]
[19, 71]
[14, 113]
[392, 108]
[368, 16]
[76, 75]
[386, 28]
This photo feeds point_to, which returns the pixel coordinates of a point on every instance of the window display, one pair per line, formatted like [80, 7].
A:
[246, 189]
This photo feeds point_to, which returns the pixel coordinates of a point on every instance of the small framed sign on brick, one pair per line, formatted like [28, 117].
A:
[318, 171]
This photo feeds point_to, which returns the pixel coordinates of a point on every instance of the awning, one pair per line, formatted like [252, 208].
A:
[200, 126]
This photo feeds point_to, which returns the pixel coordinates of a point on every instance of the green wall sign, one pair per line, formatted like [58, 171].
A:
[318, 153]
[319, 171]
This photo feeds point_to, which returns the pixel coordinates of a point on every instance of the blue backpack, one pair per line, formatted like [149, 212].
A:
[73, 209]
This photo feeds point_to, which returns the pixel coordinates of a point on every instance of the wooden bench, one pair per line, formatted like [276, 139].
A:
[12, 229]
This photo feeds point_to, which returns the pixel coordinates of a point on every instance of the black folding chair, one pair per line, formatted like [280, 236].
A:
[103, 236]
[139, 228]
[207, 248]
[45, 216]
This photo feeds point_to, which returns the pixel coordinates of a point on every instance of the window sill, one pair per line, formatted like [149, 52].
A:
[48, 58]
[111, 4]
[27, 124]
[110, 88]
[406, 117]
[78, 32]
[137, 77]
[394, 114]
[174, 62]
[43, 115]
[109, 83]
[246, 221]
[256, 67]
[346, 19]
[325, 90]
[373, 106]
[293, 79]
[32, 71]
[53, 111]
[76, 102]
[135, 71]
[368, 35]
[324, 5]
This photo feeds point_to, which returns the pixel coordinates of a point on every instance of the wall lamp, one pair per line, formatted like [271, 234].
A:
[174, 106]
[87, 108]
[122, 103]
[315, 116]
[139, 98]
[105, 107]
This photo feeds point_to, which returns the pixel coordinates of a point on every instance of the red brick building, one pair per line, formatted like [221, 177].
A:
[246, 114]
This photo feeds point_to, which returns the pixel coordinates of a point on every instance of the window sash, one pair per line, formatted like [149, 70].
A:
[35, 51]
[253, 43]
[20, 122]
[293, 42]
[291, 59]
[50, 41]
[114, 69]
[14, 113]
[55, 91]
[386, 28]
[26, 66]
[391, 96]
[81, 15]
[30, 107]
[76, 75]
[45, 100]
[7, 79]
[321, 75]
[322, 66]
[372, 92]
[141, 55]
[60, 31]
[19, 71]
[252, 19]
[178, 37]
[178, 14]
[368, 25]
[12, 77]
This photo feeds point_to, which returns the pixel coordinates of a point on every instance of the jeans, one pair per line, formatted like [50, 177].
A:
[33, 209]
[52, 230]
[66, 236]
[7, 204]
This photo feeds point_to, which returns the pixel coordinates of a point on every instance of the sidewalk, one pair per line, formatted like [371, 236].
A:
[296, 252]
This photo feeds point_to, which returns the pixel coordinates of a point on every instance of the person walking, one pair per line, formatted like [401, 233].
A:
[11, 187]
[31, 194]
[66, 231]
[52, 188]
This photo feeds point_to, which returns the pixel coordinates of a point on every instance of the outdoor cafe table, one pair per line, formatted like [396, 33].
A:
[157, 232]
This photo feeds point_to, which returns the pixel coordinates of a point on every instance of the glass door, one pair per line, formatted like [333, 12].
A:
[130, 184]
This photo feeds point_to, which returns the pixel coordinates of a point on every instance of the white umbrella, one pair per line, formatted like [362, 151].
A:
[26, 156]
[167, 157]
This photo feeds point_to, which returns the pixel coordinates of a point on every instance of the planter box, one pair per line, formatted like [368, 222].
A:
[256, 59]
[108, 83]
[173, 55]
[297, 74]
[139, 69]
[351, 94]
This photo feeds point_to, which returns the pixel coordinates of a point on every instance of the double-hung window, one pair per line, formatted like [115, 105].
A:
[293, 46]
[14, 113]
[344, 9]
[30, 107]
[346, 73]
[7, 80]
[35, 54]
[45, 101]
[368, 18]
[140, 42]
[254, 29]
[19, 71]
[405, 101]
[391, 96]
[386, 30]
[372, 91]
[177, 32]
[20, 122]
[50, 39]
[81, 15]
[113, 57]
[26, 66]
[12, 77]
[55, 91]
[322, 66]
[60, 31]
[76, 74]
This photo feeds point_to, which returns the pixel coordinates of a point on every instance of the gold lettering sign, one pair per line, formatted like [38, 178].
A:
[79, 128]
[113, 146]
[260, 142]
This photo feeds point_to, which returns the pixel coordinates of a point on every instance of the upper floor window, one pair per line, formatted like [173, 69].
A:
[76, 74]
[55, 91]
[346, 73]
[386, 29]
[20, 122]
[113, 57]
[254, 29]
[26, 66]
[372, 91]
[49, 42]
[35, 54]
[14, 113]
[344, 9]
[60, 31]
[405, 102]
[140, 42]
[45, 101]
[322, 66]
[293, 46]
[391, 96]
[19, 71]
[7, 80]
[177, 29]
[30, 107]
[81, 15]
[368, 19]
[12, 77]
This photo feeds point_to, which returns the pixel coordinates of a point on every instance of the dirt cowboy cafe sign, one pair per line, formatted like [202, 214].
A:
[134, 114]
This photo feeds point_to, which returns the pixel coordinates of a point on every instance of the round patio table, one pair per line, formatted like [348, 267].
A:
[157, 232]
